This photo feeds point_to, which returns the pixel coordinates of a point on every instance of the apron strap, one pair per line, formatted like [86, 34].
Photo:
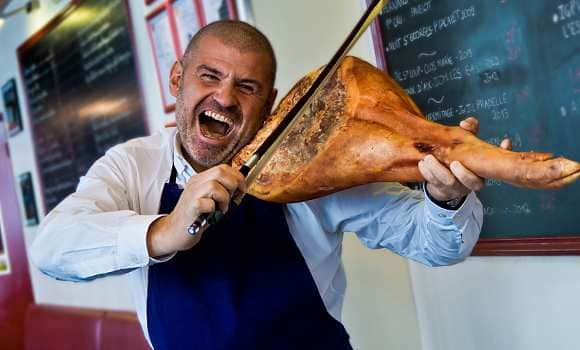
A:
[173, 174]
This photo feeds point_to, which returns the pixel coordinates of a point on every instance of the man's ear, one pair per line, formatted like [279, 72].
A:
[271, 100]
[175, 78]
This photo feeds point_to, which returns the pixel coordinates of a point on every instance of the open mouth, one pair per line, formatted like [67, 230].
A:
[214, 125]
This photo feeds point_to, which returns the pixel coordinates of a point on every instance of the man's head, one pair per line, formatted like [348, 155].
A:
[224, 90]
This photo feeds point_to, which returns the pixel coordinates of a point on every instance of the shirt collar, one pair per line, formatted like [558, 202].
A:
[183, 168]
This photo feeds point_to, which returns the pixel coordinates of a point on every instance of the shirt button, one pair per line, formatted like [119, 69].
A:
[441, 215]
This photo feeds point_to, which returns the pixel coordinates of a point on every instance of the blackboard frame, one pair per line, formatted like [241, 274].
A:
[505, 246]
[42, 32]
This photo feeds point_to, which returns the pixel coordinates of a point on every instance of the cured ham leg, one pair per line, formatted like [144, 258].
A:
[364, 128]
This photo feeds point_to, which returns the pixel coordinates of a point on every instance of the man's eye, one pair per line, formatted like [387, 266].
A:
[247, 89]
[209, 77]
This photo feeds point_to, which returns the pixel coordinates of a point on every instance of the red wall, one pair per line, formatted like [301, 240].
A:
[15, 288]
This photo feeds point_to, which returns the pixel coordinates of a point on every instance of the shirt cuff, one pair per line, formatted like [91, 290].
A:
[458, 217]
[132, 242]
[161, 259]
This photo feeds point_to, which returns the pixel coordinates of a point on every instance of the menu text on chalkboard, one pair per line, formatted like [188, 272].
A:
[513, 64]
[82, 91]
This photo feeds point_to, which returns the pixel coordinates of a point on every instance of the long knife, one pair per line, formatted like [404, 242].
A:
[254, 165]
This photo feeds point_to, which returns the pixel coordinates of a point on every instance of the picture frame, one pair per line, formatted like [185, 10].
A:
[4, 257]
[188, 20]
[162, 35]
[13, 115]
[214, 10]
[28, 199]
[172, 24]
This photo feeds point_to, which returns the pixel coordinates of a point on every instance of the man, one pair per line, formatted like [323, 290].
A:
[267, 276]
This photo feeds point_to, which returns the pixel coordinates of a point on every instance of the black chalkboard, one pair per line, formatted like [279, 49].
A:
[82, 91]
[515, 64]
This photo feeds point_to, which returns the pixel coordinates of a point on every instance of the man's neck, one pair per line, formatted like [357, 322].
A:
[198, 168]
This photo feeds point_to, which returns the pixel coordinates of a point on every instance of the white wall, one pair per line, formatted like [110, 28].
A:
[500, 303]
[379, 310]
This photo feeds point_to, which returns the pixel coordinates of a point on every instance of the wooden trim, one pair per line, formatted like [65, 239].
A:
[232, 9]
[199, 11]
[378, 46]
[138, 66]
[166, 6]
[157, 10]
[174, 33]
[201, 14]
[49, 26]
[520, 246]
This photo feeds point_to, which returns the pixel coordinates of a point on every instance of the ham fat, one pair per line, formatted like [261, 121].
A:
[364, 128]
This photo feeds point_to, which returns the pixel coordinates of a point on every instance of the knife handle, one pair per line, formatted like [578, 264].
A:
[207, 219]
[204, 220]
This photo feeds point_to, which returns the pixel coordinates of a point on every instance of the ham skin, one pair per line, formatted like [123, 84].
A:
[364, 128]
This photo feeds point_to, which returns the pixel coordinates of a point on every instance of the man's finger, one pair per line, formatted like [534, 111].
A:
[224, 174]
[204, 205]
[440, 172]
[427, 174]
[466, 177]
[470, 124]
[214, 190]
[506, 144]
[227, 170]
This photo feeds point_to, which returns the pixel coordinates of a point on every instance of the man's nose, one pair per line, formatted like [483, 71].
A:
[225, 95]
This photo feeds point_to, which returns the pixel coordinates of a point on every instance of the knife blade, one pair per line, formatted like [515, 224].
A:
[254, 165]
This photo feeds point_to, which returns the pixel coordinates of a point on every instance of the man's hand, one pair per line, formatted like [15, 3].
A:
[204, 193]
[446, 184]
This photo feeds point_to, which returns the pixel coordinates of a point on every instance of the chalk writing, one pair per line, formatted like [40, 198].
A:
[438, 25]
[513, 64]
[86, 56]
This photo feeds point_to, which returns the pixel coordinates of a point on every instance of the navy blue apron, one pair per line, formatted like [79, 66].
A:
[245, 285]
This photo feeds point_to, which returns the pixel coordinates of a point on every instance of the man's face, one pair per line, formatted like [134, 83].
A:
[222, 95]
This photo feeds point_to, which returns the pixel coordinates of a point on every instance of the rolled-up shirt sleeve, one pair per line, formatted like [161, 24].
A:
[405, 221]
[94, 231]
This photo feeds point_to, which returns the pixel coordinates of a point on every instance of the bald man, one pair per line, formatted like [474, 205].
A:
[268, 276]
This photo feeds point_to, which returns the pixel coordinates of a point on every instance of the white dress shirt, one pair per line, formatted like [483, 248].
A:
[101, 228]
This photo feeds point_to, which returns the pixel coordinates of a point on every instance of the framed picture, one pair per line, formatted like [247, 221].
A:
[28, 200]
[4, 261]
[3, 128]
[187, 21]
[214, 10]
[162, 36]
[172, 25]
[11, 107]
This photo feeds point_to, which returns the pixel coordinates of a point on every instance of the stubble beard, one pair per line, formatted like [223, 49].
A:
[196, 152]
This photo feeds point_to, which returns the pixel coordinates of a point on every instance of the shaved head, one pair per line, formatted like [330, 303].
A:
[237, 34]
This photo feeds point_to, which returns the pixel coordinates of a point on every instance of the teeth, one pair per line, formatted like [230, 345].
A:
[218, 117]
